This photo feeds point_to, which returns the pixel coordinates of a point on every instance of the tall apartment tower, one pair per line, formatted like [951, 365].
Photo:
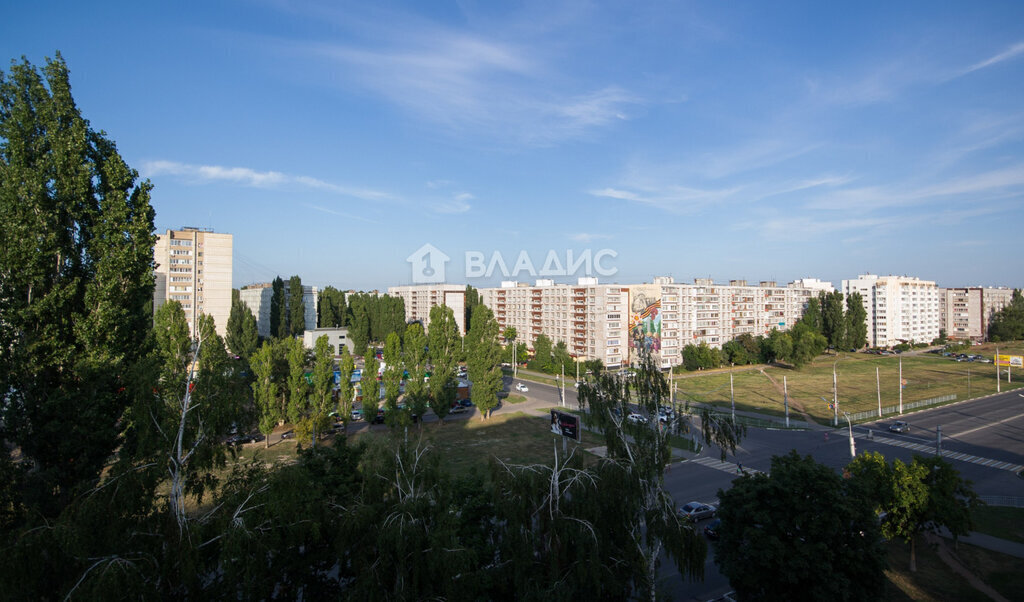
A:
[420, 298]
[965, 313]
[193, 267]
[899, 308]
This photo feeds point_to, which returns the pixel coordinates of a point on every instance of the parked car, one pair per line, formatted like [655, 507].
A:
[711, 529]
[522, 388]
[466, 403]
[357, 414]
[379, 418]
[243, 438]
[899, 427]
[456, 408]
[636, 418]
[695, 511]
[288, 435]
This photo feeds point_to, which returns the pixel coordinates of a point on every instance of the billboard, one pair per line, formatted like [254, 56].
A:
[645, 317]
[1015, 361]
[566, 425]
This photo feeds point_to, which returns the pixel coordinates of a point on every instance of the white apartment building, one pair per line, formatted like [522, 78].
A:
[591, 318]
[193, 267]
[419, 298]
[611, 321]
[257, 298]
[899, 308]
[965, 313]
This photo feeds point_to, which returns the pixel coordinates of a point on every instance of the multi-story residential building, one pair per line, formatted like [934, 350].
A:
[965, 313]
[899, 308]
[193, 267]
[591, 318]
[257, 298]
[419, 298]
[611, 322]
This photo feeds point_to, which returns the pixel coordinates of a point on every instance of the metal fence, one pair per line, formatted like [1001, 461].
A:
[907, 406]
[1003, 500]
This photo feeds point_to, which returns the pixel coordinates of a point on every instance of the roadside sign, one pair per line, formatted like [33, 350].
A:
[1015, 361]
[566, 424]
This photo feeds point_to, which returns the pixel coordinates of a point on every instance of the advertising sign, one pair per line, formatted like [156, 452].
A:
[565, 424]
[1016, 361]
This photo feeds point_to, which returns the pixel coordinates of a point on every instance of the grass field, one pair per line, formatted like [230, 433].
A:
[999, 521]
[926, 375]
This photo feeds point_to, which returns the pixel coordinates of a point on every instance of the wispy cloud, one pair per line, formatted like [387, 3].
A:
[457, 204]
[671, 198]
[1011, 52]
[473, 84]
[588, 237]
[330, 211]
[256, 179]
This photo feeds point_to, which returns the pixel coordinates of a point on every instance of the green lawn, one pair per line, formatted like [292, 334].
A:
[933, 581]
[927, 376]
[1000, 521]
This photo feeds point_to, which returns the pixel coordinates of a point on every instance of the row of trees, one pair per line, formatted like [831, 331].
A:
[802, 532]
[372, 317]
[287, 309]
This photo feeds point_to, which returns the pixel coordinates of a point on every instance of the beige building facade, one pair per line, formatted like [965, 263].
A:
[900, 309]
[420, 298]
[965, 313]
[193, 267]
[257, 298]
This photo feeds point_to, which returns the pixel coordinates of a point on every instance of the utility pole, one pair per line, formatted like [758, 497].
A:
[563, 385]
[835, 397]
[998, 377]
[901, 385]
[938, 441]
[785, 398]
[968, 383]
[853, 446]
[732, 395]
[878, 388]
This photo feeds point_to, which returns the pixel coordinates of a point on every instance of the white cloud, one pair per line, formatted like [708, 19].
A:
[253, 178]
[459, 203]
[588, 237]
[1007, 54]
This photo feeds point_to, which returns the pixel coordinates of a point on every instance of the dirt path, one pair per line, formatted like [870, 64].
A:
[951, 560]
[795, 404]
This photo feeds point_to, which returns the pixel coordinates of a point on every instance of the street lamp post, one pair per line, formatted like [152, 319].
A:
[732, 395]
[835, 396]
[853, 446]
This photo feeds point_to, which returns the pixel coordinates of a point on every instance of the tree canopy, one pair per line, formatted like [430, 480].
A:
[1008, 323]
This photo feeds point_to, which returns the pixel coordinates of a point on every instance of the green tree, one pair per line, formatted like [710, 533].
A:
[856, 321]
[1008, 323]
[345, 393]
[392, 377]
[242, 335]
[735, 353]
[472, 301]
[484, 359]
[296, 308]
[509, 334]
[444, 343]
[278, 310]
[369, 386]
[636, 460]
[806, 344]
[264, 389]
[298, 386]
[359, 324]
[562, 360]
[414, 358]
[799, 532]
[926, 495]
[812, 314]
[332, 308]
[542, 349]
[76, 278]
[833, 321]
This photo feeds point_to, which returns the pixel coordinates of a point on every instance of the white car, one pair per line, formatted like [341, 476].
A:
[636, 418]
[522, 388]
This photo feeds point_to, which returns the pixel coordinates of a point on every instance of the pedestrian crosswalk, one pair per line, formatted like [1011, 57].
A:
[930, 449]
[723, 466]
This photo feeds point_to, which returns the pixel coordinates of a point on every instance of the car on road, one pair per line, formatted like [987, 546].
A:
[288, 435]
[456, 408]
[466, 403]
[243, 438]
[899, 427]
[695, 511]
[522, 388]
[636, 418]
[357, 414]
[711, 529]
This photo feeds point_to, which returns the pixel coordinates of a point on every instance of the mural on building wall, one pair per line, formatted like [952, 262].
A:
[645, 321]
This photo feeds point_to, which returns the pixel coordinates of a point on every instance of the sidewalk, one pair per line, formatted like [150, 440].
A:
[996, 544]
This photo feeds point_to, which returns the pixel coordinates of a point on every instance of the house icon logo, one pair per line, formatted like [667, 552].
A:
[427, 264]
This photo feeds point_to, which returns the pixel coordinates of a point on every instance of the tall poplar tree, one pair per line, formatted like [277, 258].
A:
[76, 281]
[856, 321]
[414, 355]
[484, 360]
[242, 336]
[264, 389]
[278, 310]
[296, 308]
[443, 341]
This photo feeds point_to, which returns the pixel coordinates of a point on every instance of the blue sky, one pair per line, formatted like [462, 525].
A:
[732, 140]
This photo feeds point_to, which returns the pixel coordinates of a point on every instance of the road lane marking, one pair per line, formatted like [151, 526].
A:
[988, 462]
[723, 466]
[984, 426]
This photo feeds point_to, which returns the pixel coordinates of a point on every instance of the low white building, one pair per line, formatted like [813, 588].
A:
[337, 338]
